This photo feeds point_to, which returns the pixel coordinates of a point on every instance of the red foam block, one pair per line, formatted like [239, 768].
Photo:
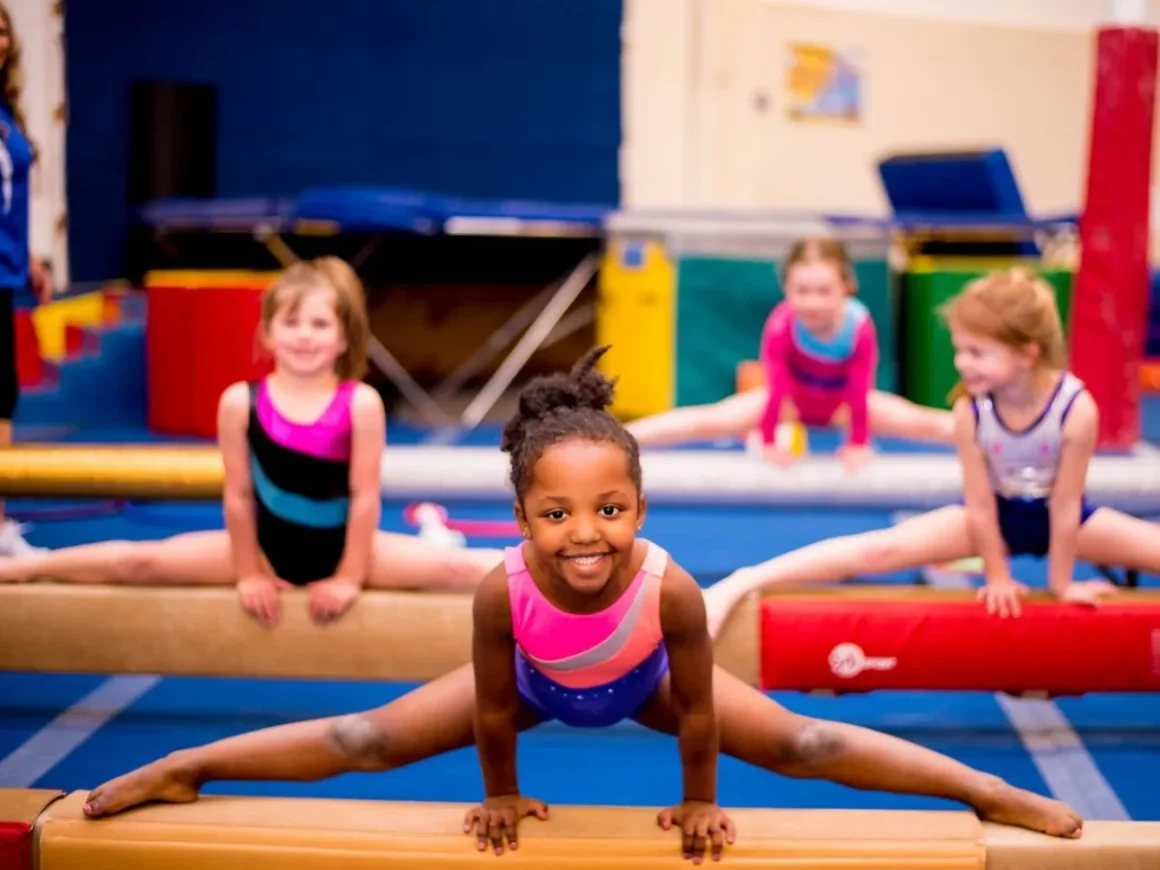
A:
[29, 362]
[15, 846]
[852, 645]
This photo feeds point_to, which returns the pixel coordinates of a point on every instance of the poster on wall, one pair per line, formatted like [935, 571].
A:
[825, 84]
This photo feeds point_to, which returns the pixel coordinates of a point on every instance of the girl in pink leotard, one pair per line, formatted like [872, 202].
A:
[810, 374]
[819, 350]
[587, 623]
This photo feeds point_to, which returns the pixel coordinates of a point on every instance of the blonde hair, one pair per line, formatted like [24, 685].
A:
[1015, 308]
[334, 275]
[825, 249]
[12, 78]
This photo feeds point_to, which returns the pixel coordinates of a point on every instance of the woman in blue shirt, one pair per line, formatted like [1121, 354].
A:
[24, 280]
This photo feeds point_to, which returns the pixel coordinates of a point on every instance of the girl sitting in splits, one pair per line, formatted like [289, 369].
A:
[819, 350]
[588, 624]
[1026, 430]
[302, 451]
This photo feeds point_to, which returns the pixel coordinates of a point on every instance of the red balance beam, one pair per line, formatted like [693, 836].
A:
[852, 640]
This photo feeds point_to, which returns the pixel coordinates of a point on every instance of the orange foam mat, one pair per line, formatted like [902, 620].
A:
[386, 635]
[237, 833]
[873, 638]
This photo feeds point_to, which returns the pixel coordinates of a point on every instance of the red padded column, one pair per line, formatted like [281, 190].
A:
[1110, 298]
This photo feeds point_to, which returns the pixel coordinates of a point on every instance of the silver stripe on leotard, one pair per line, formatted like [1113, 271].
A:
[1023, 464]
[611, 644]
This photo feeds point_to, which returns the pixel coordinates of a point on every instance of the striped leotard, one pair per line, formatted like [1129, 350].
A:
[301, 479]
[1022, 466]
[588, 670]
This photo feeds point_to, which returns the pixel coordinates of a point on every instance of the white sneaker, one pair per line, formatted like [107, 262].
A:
[433, 529]
[12, 543]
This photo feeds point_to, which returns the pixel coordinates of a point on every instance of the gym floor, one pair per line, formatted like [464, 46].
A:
[1099, 752]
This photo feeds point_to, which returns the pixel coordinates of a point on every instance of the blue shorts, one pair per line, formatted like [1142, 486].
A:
[1026, 524]
[597, 706]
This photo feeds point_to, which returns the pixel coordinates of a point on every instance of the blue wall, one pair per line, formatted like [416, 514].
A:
[492, 98]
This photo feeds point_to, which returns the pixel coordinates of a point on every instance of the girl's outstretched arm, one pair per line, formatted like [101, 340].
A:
[330, 598]
[238, 487]
[368, 439]
[1000, 592]
[860, 381]
[497, 717]
[690, 651]
[497, 703]
[1066, 506]
[775, 341]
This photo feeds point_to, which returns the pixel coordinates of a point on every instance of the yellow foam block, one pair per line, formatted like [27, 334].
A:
[636, 315]
[792, 436]
[200, 631]
[50, 321]
[207, 278]
[235, 833]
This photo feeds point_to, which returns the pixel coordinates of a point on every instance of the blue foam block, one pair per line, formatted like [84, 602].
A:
[105, 389]
[977, 182]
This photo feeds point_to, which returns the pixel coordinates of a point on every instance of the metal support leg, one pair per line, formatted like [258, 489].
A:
[575, 321]
[277, 246]
[496, 342]
[530, 341]
[385, 362]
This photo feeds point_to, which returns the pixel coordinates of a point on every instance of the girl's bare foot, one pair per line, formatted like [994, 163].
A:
[721, 599]
[10, 573]
[1015, 806]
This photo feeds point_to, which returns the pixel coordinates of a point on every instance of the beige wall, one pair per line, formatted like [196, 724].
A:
[696, 70]
[40, 27]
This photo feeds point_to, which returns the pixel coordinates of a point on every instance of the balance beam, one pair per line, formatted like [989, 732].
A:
[166, 471]
[240, 833]
[857, 638]
[203, 631]
[704, 477]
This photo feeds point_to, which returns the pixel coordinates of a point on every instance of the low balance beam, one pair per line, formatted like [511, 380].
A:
[424, 472]
[166, 471]
[240, 833]
[200, 631]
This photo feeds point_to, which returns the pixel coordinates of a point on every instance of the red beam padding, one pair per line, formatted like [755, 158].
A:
[15, 846]
[948, 642]
[1109, 308]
